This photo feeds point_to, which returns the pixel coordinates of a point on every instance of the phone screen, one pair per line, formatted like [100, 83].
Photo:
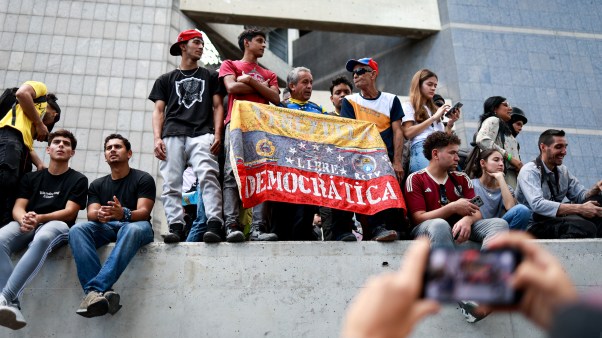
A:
[480, 276]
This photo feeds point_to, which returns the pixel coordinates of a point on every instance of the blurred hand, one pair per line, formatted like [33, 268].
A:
[544, 283]
[390, 305]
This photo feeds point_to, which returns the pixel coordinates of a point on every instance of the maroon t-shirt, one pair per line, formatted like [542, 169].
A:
[236, 68]
[422, 192]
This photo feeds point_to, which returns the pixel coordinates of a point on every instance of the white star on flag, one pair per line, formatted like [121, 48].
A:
[343, 171]
[302, 145]
[289, 160]
[292, 151]
[329, 150]
[340, 158]
[316, 147]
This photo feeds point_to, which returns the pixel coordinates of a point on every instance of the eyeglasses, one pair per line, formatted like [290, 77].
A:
[443, 195]
[361, 71]
[506, 104]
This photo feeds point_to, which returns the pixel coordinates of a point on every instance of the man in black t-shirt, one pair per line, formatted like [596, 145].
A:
[47, 204]
[188, 121]
[119, 207]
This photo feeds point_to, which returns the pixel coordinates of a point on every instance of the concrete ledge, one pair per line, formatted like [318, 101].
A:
[280, 289]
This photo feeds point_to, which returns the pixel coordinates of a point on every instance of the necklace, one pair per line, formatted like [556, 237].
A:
[197, 69]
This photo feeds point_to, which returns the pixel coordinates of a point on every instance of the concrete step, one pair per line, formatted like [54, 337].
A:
[278, 289]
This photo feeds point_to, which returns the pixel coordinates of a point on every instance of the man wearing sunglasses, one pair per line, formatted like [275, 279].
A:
[438, 199]
[384, 110]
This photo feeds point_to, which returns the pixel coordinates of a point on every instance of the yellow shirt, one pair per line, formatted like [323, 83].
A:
[21, 122]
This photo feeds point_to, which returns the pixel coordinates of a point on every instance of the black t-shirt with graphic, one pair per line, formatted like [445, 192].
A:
[188, 101]
[137, 184]
[48, 193]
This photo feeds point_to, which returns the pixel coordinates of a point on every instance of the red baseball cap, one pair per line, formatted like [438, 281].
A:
[364, 61]
[183, 37]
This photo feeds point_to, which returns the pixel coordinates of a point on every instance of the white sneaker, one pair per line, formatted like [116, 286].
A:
[10, 315]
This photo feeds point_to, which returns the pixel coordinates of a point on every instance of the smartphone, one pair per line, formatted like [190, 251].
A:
[454, 275]
[454, 108]
[477, 201]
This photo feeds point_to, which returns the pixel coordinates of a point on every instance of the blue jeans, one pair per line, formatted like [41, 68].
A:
[42, 241]
[417, 159]
[199, 226]
[440, 232]
[518, 217]
[86, 237]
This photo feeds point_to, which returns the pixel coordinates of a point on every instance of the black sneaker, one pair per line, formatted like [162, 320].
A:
[470, 312]
[347, 237]
[381, 234]
[257, 235]
[213, 233]
[175, 235]
[113, 298]
[233, 234]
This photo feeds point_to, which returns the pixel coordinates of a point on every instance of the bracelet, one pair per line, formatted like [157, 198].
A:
[509, 157]
[127, 214]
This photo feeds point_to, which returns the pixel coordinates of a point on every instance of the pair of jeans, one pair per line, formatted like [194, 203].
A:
[42, 241]
[232, 197]
[518, 217]
[86, 237]
[417, 159]
[440, 232]
[182, 150]
[199, 225]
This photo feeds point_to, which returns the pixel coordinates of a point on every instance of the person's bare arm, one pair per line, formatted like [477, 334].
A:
[398, 150]
[158, 120]
[36, 160]
[25, 95]
[218, 122]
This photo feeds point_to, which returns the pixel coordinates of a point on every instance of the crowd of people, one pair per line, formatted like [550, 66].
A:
[192, 129]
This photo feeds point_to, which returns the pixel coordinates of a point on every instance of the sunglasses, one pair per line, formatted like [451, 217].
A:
[361, 71]
[443, 195]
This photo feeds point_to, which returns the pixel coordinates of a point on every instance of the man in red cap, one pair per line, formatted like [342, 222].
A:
[246, 80]
[384, 110]
[188, 120]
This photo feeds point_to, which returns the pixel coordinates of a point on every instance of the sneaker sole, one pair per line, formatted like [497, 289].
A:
[210, 237]
[235, 237]
[388, 238]
[9, 319]
[171, 238]
[264, 238]
[113, 299]
[97, 309]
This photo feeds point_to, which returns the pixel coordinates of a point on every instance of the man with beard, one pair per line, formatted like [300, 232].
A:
[544, 183]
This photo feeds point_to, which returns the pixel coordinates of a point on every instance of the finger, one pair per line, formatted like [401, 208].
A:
[516, 239]
[422, 309]
[413, 265]
[116, 200]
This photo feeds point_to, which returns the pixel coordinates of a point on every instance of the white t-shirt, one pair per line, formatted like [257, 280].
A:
[409, 112]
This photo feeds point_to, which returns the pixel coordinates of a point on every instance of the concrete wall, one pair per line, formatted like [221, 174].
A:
[281, 289]
[101, 58]
[533, 53]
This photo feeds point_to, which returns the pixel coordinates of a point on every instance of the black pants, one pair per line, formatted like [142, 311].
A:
[12, 157]
[293, 222]
[571, 226]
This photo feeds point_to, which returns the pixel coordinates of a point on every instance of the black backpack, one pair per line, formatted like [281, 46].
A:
[8, 102]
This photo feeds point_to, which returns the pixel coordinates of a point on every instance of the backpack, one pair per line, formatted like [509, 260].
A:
[8, 102]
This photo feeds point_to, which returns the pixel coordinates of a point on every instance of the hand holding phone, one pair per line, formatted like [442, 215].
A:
[454, 109]
[481, 276]
[477, 200]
